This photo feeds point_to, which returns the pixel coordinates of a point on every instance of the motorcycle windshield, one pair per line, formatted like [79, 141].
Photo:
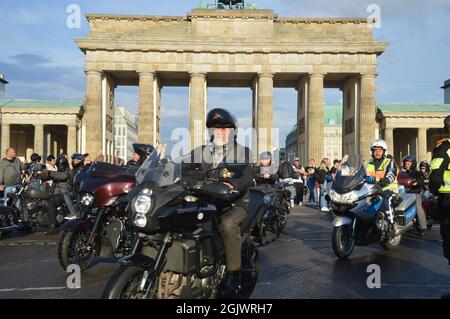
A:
[160, 172]
[349, 175]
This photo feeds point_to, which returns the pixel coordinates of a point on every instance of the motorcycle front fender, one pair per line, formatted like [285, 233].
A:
[342, 220]
[137, 260]
[77, 225]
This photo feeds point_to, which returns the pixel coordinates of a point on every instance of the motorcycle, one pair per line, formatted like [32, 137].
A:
[275, 217]
[179, 252]
[25, 208]
[356, 207]
[103, 228]
[429, 201]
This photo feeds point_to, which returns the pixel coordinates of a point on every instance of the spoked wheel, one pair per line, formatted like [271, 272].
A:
[124, 284]
[269, 230]
[343, 241]
[73, 248]
[249, 270]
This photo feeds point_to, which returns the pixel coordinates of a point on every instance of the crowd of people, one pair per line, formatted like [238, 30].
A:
[313, 180]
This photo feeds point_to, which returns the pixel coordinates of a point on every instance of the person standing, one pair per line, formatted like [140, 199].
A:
[10, 171]
[311, 181]
[439, 185]
[299, 173]
[321, 178]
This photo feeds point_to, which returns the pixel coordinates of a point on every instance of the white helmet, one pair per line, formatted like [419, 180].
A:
[379, 143]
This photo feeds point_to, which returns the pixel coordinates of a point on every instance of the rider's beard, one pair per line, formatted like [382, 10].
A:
[219, 141]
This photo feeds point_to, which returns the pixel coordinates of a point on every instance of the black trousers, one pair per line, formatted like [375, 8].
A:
[52, 205]
[298, 192]
[444, 210]
[230, 229]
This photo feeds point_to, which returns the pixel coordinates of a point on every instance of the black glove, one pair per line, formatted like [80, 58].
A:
[384, 182]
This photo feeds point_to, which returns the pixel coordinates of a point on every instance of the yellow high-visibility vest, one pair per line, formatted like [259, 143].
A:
[436, 163]
[380, 173]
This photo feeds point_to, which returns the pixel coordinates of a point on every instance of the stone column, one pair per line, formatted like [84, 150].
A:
[422, 144]
[39, 139]
[71, 139]
[48, 143]
[254, 119]
[315, 117]
[367, 122]
[264, 116]
[6, 139]
[93, 113]
[146, 109]
[197, 109]
[302, 119]
[389, 138]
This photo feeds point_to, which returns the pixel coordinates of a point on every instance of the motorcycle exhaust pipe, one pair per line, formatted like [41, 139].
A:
[404, 229]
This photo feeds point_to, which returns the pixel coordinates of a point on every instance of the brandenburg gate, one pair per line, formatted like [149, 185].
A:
[233, 48]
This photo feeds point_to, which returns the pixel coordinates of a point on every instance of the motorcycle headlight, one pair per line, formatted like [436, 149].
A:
[140, 220]
[142, 204]
[87, 200]
[348, 198]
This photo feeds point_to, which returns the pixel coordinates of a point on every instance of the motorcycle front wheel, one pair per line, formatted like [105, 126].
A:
[73, 249]
[343, 241]
[124, 284]
[249, 270]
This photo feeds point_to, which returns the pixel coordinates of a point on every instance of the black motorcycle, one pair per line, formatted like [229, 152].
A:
[25, 208]
[179, 252]
[275, 217]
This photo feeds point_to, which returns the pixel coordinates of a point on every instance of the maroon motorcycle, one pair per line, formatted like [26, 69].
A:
[103, 228]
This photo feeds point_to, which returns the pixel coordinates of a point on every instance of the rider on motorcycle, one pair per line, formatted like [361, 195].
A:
[231, 164]
[424, 170]
[63, 191]
[409, 169]
[383, 171]
[265, 172]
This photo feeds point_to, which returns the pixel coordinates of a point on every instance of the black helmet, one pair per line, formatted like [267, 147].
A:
[62, 163]
[426, 165]
[221, 118]
[410, 158]
[77, 156]
[35, 157]
[447, 124]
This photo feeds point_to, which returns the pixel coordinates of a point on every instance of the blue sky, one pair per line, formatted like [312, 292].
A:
[39, 57]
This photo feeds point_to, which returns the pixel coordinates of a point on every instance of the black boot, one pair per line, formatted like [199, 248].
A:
[52, 230]
[232, 285]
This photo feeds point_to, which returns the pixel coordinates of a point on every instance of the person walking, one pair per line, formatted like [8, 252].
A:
[311, 181]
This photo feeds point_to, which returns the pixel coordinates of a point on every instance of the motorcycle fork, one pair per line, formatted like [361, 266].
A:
[97, 226]
[158, 265]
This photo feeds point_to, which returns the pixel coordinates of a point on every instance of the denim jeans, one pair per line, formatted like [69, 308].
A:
[311, 183]
[323, 202]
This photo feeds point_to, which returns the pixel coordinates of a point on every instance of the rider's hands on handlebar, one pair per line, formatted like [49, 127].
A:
[229, 185]
[370, 179]
[384, 182]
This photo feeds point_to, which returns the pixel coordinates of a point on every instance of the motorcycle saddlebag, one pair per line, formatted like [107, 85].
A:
[408, 200]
